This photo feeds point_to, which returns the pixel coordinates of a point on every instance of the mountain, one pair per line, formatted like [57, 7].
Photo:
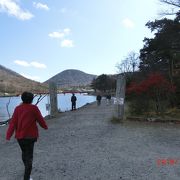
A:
[72, 77]
[13, 83]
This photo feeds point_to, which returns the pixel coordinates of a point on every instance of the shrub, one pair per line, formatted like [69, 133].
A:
[155, 89]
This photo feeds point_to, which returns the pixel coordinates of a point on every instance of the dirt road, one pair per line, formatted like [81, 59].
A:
[85, 145]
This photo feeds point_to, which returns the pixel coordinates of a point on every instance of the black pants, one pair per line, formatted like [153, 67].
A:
[73, 106]
[27, 147]
[98, 102]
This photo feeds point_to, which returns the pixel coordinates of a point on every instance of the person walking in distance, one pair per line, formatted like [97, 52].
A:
[108, 99]
[98, 98]
[24, 123]
[73, 101]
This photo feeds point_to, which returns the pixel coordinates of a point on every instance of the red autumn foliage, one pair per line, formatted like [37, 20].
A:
[154, 82]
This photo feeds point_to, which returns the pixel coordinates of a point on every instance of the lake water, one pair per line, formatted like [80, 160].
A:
[64, 103]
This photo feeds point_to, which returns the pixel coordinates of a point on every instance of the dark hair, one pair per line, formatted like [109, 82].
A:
[27, 97]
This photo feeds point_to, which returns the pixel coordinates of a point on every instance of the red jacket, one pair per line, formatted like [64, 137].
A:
[24, 122]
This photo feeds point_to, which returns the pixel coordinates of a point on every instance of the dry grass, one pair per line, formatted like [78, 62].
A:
[174, 113]
[116, 120]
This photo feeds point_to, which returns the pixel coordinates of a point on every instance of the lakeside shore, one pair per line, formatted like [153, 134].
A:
[85, 145]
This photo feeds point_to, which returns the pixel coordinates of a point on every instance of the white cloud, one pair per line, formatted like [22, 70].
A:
[31, 64]
[36, 78]
[41, 6]
[22, 63]
[67, 31]
[60, 34]
[128, 23]
[67, 43]
[12, 8]
[38, 65]
[56, 34]
[63, 35]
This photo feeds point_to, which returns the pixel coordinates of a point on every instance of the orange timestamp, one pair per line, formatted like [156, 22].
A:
[167, 161]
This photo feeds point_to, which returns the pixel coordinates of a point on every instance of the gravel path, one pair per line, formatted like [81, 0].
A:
[85, 145]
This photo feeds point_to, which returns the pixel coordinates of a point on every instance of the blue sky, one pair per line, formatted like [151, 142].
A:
[39, 39]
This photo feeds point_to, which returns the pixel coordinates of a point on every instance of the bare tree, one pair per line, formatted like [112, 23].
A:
[129, 64]
[174, 7]
[41, 97]
[175, 3]
[7, 107]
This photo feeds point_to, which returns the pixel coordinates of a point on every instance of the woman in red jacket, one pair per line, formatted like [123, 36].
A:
[24, 123]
